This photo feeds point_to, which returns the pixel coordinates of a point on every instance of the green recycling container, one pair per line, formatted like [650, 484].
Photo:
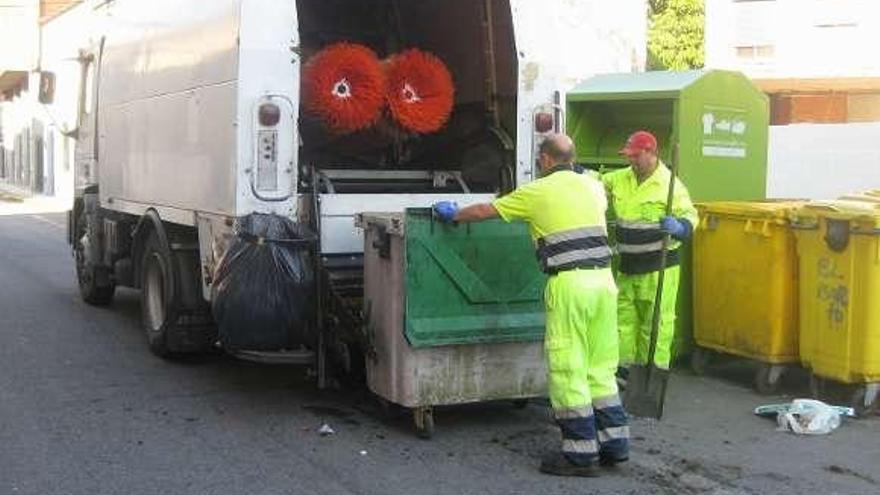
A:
[719, 120]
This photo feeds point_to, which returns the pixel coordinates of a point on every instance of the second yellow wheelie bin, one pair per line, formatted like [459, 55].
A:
[838, 244]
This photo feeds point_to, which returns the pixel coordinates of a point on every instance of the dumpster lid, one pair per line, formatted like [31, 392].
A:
[871, 196]
[780, 209]
[630, 86]
[842, 209]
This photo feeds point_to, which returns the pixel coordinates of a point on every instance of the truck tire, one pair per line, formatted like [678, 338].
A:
[158, 297]
[89, 277]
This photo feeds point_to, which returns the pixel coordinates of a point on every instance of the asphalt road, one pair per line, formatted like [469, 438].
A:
[86, 409]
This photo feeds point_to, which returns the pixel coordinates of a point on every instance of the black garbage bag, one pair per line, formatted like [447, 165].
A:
[264, 286]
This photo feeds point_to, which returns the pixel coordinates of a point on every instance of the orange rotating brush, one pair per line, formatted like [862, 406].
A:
[344, 86]
[420, 91]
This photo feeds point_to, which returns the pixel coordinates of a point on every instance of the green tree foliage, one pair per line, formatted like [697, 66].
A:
[675, 35]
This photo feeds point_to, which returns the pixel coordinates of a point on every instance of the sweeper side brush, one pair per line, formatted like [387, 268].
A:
[344, 87]
[420, 91]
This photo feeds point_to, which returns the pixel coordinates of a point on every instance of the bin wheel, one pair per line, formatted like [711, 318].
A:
[423, 417]
[864, 398]
[817, 386]
[520, 403]
[390, 411]
[700, 358]
[768, 378]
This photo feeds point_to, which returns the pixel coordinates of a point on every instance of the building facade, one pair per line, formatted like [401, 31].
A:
[39, 80]
[813, 57]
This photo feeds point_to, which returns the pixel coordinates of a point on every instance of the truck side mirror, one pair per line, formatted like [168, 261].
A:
[72, 134]
[47, 88]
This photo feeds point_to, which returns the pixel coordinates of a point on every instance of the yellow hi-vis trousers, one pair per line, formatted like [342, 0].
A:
[581, 346]
[635, 312]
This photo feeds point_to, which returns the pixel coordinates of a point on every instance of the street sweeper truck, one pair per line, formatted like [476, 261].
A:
[224, 148]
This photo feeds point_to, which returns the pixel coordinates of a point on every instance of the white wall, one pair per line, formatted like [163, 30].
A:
[18, 34]
[609, 39]
[823, 161]
[810, 38]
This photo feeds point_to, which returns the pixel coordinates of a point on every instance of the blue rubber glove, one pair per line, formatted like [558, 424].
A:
[446, 210]
[678, 229]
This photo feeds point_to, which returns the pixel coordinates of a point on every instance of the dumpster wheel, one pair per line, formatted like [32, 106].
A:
[768, 378]
[864, 398]
[700, 357]
[389, 410]
[423, 417]
[817, 386]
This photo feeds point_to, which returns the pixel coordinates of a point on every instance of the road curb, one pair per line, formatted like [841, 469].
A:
[11, 194]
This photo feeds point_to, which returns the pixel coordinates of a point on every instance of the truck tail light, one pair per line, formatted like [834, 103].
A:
[269, 115]
[544, 122]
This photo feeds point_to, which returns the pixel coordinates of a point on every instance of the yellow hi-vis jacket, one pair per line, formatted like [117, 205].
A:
[638, 209]
[565, 211]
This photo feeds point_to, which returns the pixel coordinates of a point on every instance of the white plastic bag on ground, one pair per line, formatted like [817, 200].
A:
[807, 416]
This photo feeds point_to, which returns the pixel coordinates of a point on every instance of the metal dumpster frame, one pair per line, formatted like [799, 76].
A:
[420, 378]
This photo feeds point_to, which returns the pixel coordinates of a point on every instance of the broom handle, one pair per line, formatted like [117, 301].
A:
[658, 298]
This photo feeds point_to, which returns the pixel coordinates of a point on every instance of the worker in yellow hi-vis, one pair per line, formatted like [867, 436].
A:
[638, 197]
[565, 211]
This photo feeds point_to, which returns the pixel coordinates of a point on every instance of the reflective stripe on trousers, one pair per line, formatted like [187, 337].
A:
[581, 346]
[612, 427]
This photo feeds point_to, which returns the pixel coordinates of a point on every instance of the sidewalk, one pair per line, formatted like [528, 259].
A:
[15, 200]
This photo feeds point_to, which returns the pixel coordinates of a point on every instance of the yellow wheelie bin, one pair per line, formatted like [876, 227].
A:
[745, 286]
[838, 243]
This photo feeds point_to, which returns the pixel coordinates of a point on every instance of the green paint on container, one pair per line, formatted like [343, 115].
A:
[471, 284]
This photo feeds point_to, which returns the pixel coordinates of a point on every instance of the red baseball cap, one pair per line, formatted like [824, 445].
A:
[639, 141]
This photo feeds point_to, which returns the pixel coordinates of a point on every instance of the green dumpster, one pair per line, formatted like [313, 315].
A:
[718, 118]
[454, 313]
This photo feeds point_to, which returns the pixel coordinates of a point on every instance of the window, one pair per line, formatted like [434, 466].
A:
[755, 53]
[837, 13]
[837, 25]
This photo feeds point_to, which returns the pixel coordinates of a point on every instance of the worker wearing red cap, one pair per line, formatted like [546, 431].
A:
[638, 196]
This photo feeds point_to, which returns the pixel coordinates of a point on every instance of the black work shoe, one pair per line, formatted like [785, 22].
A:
[558, 465]
[611, 460]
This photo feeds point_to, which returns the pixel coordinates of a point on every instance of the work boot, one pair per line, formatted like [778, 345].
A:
[607, 460]
[559, 465]
[622, 375]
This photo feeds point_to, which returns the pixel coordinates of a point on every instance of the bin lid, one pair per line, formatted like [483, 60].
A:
[844, 209]
[628, 86]
[872, 196]
[780, 209]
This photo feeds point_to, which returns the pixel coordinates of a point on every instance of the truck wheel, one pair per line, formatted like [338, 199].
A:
[89, 276]
[158, 297]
